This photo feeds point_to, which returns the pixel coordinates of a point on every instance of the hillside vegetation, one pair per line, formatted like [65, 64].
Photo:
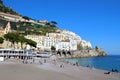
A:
[26, 27]
[5, 9]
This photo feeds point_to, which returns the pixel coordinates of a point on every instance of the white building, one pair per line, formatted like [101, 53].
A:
[49, 41]
[71, 35]
[56, 35]
[64, 40]
[73, 45]
[38, 39]
[86, 44]
[11, 17]
[63, 45]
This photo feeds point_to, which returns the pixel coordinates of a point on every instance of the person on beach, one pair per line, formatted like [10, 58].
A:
[67, 62]
[33, 60]
[77, 64]
[114, 70]
[107, 72]
[61, 66]
[26, 61]
[44, 60]
[23, 61]
[40, 62]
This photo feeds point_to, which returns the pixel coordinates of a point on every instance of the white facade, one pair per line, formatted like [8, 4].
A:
[50, 41]
[11, 17]
[86, 44]
[38, 39]
[71, 35]
[56, 35]
[17, 18]
[45, 43]
[63, 45]
[73, 45]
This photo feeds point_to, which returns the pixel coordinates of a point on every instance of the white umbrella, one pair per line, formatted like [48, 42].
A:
[53, 57]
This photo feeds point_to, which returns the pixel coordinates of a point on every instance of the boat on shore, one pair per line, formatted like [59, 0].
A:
[43, 54]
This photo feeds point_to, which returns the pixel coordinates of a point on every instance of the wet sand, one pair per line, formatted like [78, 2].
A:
[16, 70]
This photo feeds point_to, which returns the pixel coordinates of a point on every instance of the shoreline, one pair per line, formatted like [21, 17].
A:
[69, 71]
[96, 62]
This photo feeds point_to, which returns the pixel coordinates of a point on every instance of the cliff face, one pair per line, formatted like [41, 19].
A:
[86, 53]
[97, 52]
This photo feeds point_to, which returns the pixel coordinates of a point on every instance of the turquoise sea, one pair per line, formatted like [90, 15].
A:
[106, 63]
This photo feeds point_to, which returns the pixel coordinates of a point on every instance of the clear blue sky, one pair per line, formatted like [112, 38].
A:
[97, 21]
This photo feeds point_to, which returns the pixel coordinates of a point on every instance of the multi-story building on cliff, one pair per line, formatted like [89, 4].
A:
[86, 44]
[38, 39]
[45, 43]
[63, 45]
[59, 40]
[17, 18]
[72, 36]
[11, 17]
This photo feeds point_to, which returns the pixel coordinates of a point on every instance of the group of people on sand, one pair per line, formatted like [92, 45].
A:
[40, 62]
[24, 61]
[113, 70]
[74, 64]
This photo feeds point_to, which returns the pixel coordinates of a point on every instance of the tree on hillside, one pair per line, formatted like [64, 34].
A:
[5, 9]
[1, 40]
[48, 24]
[97, 48]
[12, 37]
[79, 46]
[31, 42]
[25, 17]
[53, 48]
[22, 40]
[1, 2]
[53, 24]
[15, 38]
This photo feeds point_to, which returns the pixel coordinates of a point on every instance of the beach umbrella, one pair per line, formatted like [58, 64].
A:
[53, 57]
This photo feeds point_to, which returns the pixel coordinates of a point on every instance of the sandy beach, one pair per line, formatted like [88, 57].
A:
[16, 70]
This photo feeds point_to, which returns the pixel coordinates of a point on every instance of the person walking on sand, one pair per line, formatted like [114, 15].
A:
[77, 64]
[44, 60]
[40, 62]
[61, 66]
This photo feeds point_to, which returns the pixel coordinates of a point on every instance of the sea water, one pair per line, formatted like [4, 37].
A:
[105, 63]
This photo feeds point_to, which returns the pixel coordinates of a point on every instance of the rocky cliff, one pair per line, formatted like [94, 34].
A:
[97, 52]
[89, 53]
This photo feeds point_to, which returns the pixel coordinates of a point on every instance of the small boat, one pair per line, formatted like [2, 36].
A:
[43, 55]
